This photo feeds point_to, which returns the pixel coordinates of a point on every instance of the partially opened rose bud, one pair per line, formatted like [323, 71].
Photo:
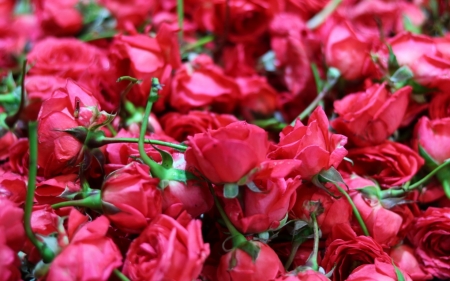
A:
[433, 136]
[130, 197]
[238, 265]
[404, 258]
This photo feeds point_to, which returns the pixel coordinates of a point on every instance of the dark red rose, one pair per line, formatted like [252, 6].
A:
[404, 258]
[201, 84]
[377, 271]
[329, 218]
[258, 98]
[19, 156]
[7, 139]
[246, 20]
[227, 154]
[440, 106]
[180, 126]
[308, 275]
[370, 117]
[238, 265]
[430, 235]
[390, 163]
[314, 145]
[434, 137]
[58, 18]
[50, 190]
[346, 251]
[167, 249]
[13, 187]
[119, 195]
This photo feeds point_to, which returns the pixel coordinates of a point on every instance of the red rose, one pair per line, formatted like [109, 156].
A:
[440, 106]
[434, 137]
[7, 139]
[144, 57]
[258, 97]
[180, 126]
[59, 18]
[308, 275]
[19, 157]
[11, 225]
[370, 117]
[67, 57]
[13, 187]
[9, 263]
[376, 272]
[314, 145]
[404, 258]
[120, 191]
[390, 163]
[134, 12]
[429, 235]
[59, 152]
[283, 250]
[346, 251]
[89, 256]
[347, 51]
[238, 265]
[246, 19]
[202, 84]
[227, 154]
[168, 250]
[329, 218]
[255, 212]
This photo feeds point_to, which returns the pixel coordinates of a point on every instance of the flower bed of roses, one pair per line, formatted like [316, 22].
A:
[224, 140]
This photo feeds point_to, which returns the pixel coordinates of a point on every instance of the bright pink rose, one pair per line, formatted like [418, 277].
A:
[201, 84]
[180, 126]
[379, 271]
[9, 263]
[11, 225]
[227, 154]
[308, 275]
[89, 256]
[267, 265]
[166, 249]
[314, 145]
[120, 192]
[404, 258]
[134, 12]
[434, 137]
[370, 117]
[430, 235]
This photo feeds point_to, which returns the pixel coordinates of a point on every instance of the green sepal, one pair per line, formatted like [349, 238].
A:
[317, 182]
[401, 76]
[400, 276]
[250, 248]
[230, 190]
[429, 161]
[80, 133]
[392, 61]
[331, 175]
[409, 26]
[372, 192]
[167, 160]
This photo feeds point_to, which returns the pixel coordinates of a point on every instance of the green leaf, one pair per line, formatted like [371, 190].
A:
[230, 190]
[250, 248]
[402, 75]
[392, 62]
[409, 26]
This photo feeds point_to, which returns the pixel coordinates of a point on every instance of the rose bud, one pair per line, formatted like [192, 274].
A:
[201, 84]
[376, 272]
[440, 106]
[429, 235]
[272, 196]
[326, 221]
[238, 265]
[404, 258]
[433, 136]
[119, 195]
[180, 126]
[390, 163]
[90, 255]
[370, 117]
[314, 145]
[167, 249]
[227, 154]
[346, 250]
[349, 52]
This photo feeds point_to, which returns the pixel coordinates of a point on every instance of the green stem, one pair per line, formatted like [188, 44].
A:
[111, 129]
[93, 202]
[405, 189]
[355, 210]
[294, 249]
[179, 147]
[313, 258]
[46, 253]
[180, 14]
[156, 169]
[200, 42]
[237, 237]
[320, 17]
[120, 275]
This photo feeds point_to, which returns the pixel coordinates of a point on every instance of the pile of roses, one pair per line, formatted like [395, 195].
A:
[224, 140]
